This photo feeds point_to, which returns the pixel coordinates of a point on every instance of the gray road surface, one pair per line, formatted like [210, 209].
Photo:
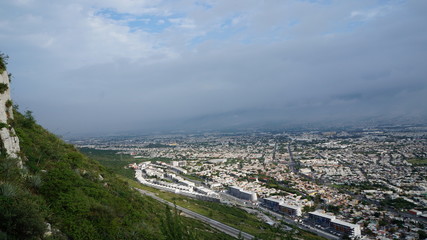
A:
[213, 223]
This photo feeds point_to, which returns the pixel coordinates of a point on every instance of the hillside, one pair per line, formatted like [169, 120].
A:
[77, 196]
[59, 193]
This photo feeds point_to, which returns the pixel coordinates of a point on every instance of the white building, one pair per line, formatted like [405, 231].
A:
[343, 227]
[290, 210]
[338, 226]
[242, 194]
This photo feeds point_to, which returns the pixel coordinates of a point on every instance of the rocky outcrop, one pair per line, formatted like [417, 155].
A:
[8, 138]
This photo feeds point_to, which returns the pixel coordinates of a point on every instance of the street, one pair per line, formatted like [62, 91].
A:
[213, 223]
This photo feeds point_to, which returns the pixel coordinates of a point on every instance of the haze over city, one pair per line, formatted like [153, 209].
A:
[110, 66]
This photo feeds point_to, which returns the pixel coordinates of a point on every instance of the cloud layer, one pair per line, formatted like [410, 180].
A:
[106, 66]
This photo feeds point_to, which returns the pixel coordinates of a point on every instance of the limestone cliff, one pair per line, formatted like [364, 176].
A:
[8, 138]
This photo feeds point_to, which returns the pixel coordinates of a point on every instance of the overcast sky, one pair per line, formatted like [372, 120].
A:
[103, 66]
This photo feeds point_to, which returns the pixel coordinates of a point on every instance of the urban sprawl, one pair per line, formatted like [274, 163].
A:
[368, 183]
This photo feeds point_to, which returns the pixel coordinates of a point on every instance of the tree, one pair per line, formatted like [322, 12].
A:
[240, 237]
[173, 228]
[3, 62]
[28, 119]
[308, 209]
[422, 234]
[21, 217]
[317, 199]
[3, 87]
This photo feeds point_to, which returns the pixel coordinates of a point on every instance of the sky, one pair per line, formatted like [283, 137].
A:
[110, 66]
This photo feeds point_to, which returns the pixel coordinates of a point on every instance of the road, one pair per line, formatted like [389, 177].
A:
[213, 223]
[279, 217]
[299, 225]
[292, 163]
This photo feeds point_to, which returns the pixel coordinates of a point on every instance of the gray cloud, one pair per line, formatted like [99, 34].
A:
[223, 63]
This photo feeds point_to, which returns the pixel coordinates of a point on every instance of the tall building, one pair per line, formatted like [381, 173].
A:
[242, 194]
[320, 218]
[290, 210]
[272, 203]
[346, 228]
[336, 225]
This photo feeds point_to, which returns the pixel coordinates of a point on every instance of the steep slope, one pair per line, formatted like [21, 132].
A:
[84, 201]
[9, 140]
[58, 193]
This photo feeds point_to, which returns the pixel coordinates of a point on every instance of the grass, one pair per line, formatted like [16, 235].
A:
[398, 203]
[418, 161]
[193, 177]
[117, 162]
[231, 216]
[114, 162]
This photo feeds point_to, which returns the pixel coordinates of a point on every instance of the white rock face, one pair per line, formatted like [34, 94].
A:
[8, 137]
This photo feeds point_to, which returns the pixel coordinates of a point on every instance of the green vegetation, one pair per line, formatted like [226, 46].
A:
[62, 194]
[3, 125]
[307, 209]
[21, 213]
[333, 209]
[3, 62]
[193, 177]
[418, 161]
[10, 122]
[3, 87]
[8, 103]
[77, 196]
[398, 203]
[422, 234]
[232, 216]
[173, 228]
[115, 163]
[271, 183]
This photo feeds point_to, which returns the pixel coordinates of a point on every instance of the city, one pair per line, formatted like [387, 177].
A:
[213, 119]
[360, 183]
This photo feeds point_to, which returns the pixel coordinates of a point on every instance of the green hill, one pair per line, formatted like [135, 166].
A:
[77, 196]
[53, 191]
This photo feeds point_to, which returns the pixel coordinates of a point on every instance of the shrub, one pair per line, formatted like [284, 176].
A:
[8, 103]
[21, 217]
[173, 228]
[3, 62]
[29, 119]
[8, 190]
[34, 181]
[9, 170]
[11, 122]
[3, 87]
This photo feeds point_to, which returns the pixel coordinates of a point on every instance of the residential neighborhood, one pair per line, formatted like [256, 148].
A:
[366, 183]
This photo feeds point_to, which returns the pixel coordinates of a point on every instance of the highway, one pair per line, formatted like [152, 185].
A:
[302, 226]
[278, 217]
[213, 223]
[292, 163]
